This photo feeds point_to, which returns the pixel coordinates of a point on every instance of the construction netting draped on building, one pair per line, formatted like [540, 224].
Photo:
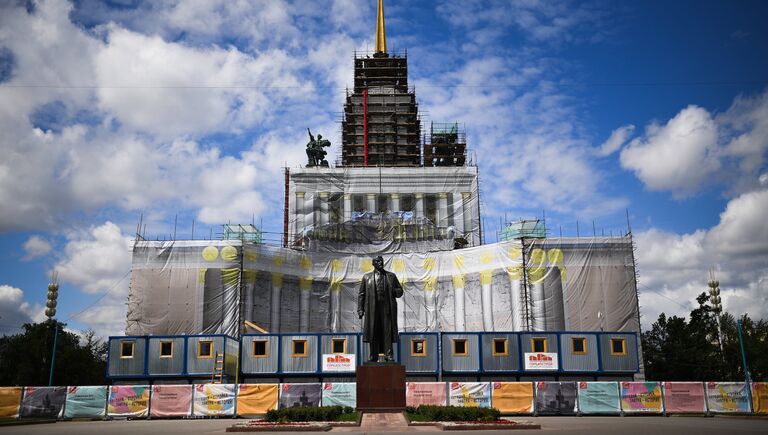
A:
[191, 287]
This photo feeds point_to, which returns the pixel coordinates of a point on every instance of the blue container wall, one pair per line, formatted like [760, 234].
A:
[203, 365]
[133, 366]
[299, 364]
[571, 361]
[619, 363]
[251, 364]
[428, 363]
[453, 362]
[173, 365]
[500, 363]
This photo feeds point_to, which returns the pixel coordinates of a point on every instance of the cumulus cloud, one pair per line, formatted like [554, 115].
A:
[674, 267]
[695, 149]
[13, 310]
[616, 140]
[35, 247]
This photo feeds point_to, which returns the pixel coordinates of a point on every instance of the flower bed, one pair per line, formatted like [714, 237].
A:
[270, 426]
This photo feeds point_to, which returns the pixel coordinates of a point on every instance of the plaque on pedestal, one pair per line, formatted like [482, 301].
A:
[381, 387]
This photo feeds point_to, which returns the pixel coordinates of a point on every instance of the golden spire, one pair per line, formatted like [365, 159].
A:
[381, 33]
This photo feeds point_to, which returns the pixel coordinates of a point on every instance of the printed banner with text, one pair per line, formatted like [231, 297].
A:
[641, 397]
[599, 398]
[727, 397]
[10, 401]
[513, 397]
[425, 393]
[171, 401]
[128, 401]
[684, 397]
[256, 399]
[214, 400]
[470, 394]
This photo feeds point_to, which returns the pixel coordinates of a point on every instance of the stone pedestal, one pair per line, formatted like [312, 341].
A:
[381, 387]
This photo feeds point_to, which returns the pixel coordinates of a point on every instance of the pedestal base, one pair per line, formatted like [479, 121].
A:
[381, 387]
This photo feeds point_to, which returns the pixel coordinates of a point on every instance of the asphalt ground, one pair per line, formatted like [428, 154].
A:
[569, 425]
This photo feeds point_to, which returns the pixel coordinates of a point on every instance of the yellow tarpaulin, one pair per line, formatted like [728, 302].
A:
[10, 400]
[513, 397]
[256, 399]
[760, 397]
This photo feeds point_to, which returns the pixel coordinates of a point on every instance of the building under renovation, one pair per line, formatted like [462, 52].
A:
[410, 194]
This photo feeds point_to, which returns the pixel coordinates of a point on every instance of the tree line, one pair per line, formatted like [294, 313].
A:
[676, 349]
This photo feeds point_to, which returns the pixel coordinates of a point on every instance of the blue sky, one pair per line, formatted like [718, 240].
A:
[580, 110]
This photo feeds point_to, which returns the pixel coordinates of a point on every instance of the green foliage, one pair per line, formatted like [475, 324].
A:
[452, 413]
[25, 358]
[676, 349]
[312, 413]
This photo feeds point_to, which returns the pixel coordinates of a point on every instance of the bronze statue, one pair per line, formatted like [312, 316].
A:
[377, 306]
[315, 152]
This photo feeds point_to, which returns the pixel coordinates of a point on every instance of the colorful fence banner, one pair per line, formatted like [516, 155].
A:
[213, 400]
[727, 397]
[256, 399]
[641, 397]
[425, 393]
[599, 398]
[10, 401]
[556, 398]
[43, 402]
[86, 402]
[513, 397]
[128, 401]
[292, 395]
[684, 397]
[470, 394]
[760, 397]
[171, 401]
[340, 394]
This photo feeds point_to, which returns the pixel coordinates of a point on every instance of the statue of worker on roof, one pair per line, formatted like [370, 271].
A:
[315, 152]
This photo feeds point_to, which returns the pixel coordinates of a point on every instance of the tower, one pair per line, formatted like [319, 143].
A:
[381, 125]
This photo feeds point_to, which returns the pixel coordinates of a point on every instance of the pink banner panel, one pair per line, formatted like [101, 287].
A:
[425, 393]
[171, 401]
[684, 397]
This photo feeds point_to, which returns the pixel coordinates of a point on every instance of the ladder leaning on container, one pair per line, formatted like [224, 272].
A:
[217, 374]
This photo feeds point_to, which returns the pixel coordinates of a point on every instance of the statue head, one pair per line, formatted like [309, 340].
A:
[319, 136]
[378, 263]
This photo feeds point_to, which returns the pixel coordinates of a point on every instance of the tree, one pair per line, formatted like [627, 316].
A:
[678, 350]
[25, 358]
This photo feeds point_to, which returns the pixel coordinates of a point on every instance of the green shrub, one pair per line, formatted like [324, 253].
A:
[309, 413]
[454, 413]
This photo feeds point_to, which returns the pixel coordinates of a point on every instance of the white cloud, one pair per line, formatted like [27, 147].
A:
[679, 156]
[695, 149]
[35, 247]
[95, 260]
[13, 310]
[675, 267]
[616, 140]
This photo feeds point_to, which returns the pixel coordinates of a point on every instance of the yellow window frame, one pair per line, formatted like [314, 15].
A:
[293, 348]
[466, 347]
[266, 349]
[623, 342]
[133, 348]
[583, 341]
[533, 343]
[423, 342]
[200, 349]
[343, 345]
[162, 355]
[506, 346]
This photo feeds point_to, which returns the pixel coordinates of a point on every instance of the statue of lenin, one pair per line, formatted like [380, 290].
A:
[376, 301]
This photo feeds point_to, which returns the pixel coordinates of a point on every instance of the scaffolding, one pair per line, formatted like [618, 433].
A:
[524, 229]
[381, 124]
[446, 145]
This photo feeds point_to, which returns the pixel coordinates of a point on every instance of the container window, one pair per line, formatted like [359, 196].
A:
[460, 347]
[618, 346]
[205, 349]
[579, 345]
[260, 349]
[299, 348]
[418, 347]
[500, 347]
[126, 349]
[166, 349]
[338, 345]
[539, 344]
